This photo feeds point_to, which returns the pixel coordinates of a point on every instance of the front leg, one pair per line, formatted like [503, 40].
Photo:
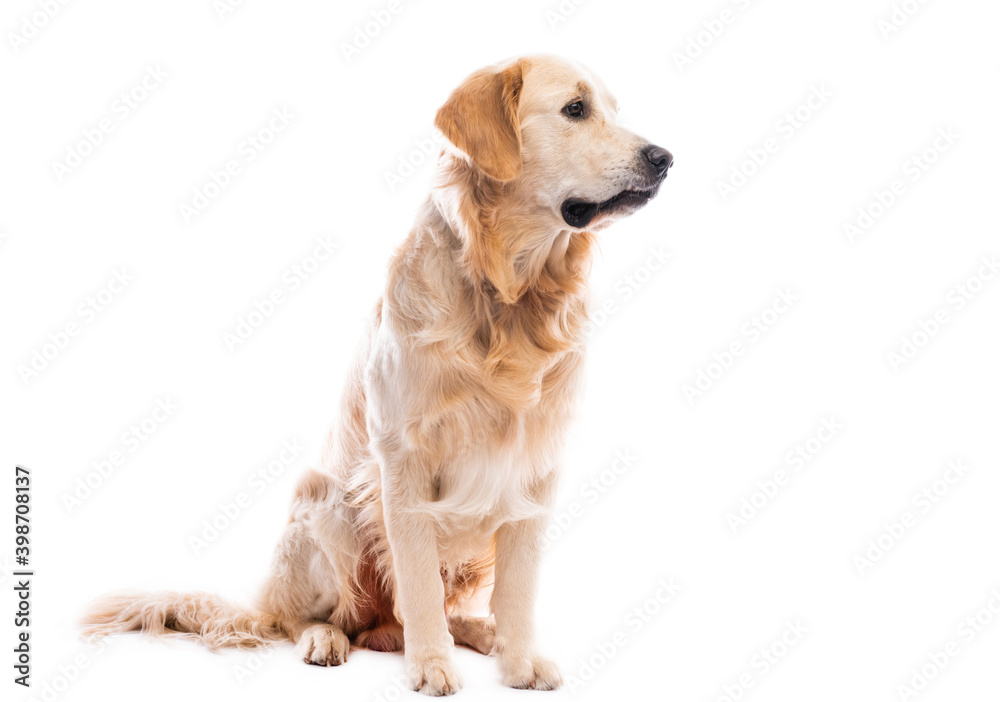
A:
[518, 550]
[427, 644]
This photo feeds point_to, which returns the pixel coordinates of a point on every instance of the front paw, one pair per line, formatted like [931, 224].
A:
[433, 674]
[529, 672]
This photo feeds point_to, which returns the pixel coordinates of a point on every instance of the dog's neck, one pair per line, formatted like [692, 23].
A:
[513, 255]
[507, 299]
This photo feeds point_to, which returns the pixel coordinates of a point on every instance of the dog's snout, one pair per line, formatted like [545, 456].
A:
[658, 158]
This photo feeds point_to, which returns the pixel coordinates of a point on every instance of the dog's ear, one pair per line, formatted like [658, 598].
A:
[480, 119]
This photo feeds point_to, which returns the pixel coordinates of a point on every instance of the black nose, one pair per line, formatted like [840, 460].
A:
[659, 158]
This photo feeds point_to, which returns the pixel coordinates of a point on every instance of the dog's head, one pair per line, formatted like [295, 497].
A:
[544, 130]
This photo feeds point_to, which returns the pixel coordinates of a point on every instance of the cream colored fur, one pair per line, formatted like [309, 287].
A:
[437, 482]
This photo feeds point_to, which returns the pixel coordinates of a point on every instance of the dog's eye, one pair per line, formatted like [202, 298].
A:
[574, 110]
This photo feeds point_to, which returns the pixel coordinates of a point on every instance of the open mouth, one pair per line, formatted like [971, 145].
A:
[579, 213]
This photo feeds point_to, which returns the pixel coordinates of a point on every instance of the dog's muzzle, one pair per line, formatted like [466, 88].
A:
[656, 161]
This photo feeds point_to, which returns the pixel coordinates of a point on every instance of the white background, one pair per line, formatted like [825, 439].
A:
[664, 517]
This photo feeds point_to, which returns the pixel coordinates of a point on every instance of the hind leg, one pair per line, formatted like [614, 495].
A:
[320, 643]
[475, 632]
[385, 637]
[301, 593]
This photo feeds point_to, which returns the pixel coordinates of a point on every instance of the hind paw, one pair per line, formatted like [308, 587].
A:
[475, 632]
[323, 644]
[384, 637]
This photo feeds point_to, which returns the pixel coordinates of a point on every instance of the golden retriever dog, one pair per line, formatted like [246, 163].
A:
[433, 492]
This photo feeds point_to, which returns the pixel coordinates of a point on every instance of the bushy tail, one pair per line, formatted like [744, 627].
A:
[193, 615]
